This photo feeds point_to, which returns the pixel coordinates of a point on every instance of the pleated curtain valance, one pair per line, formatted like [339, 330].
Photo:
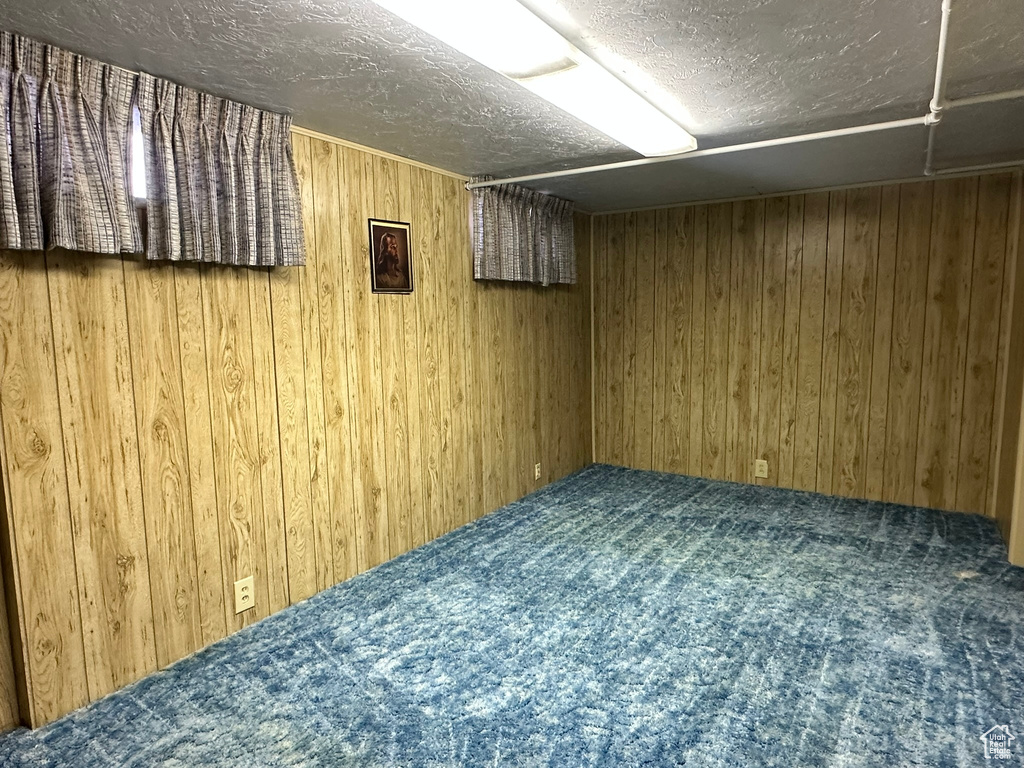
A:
[522, 235]
[220, 179]
[65, 174]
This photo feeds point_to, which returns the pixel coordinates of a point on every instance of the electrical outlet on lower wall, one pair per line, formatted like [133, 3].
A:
[761, 468]
[536, 471]
[245, 597]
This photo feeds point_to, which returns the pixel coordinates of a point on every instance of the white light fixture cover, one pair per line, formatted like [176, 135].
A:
[510, 39]
[502, 35]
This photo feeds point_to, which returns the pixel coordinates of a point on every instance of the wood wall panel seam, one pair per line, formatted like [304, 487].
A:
[168, 517]
[138, 441]
[592, 320]
[41, 709]
[208, 545]
[105, 488]
[983, 338]
[50, 660]
[881, 363]
[1012, 516]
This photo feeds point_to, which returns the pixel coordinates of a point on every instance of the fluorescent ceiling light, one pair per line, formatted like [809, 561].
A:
[503, 35]
[510, 39]
[595, 96]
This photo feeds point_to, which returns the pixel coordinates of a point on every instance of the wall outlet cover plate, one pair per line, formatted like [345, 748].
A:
[245, 595]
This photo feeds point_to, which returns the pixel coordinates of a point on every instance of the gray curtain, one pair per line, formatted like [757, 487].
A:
[65, 167]
[522, 235]
[220, 179]
[221, 182]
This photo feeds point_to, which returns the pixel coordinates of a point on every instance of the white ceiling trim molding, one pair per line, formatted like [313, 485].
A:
[379, 153]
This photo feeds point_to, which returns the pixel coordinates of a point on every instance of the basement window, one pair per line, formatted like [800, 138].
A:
[138, 160]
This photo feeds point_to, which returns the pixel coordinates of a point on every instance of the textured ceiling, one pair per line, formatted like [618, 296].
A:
[730, 71]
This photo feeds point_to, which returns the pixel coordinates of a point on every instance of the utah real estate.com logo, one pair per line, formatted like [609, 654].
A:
[997, 742]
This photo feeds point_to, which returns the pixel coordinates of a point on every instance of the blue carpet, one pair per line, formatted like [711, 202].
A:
[615, 618]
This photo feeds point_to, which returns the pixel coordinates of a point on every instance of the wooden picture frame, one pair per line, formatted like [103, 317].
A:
[390, 256]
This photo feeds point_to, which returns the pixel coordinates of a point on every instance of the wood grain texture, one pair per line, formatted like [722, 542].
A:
[809, 356]
[643, 422]
[768, 408]
[857, 314]
[675, 313]
[983, 341]
[101, 447]
[327, 240]
[454, 354]
[856, 340]
[10, 715]
[602, 293]
[888, 241]
[909, 298]
[334, 298]
[791, 339]
[472, 354]
[47, 629]
[1008, 494]
[744, 339]
[947, 314]
[443, 194]
[235, 422]
[268, 444]
[615, 326]
[427, 235]
[391, 337]
[1004, 494]
[630, 346]
[827, 415]
[411, 338]
[293, 435]
[697, 345]
[160, 413]
[199, 436]
[717, 341]
[577, 312]
[168, 430]
[364, 350]
[293, 430]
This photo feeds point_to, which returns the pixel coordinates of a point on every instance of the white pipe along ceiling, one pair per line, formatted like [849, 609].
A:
[932, 120]
[782, 95]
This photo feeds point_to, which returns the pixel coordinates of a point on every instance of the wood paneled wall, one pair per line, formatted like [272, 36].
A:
[856, 340]
[9, 713]
[1009, 496]
[168, 430]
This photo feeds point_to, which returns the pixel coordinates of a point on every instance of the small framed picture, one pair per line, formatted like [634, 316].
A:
[390, 256]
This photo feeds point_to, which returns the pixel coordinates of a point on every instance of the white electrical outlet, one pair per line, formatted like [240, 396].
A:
[245, 596]
[761, 468]
[536, 471]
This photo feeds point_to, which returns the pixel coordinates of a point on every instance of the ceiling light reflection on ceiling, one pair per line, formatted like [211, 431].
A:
[506, 37]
